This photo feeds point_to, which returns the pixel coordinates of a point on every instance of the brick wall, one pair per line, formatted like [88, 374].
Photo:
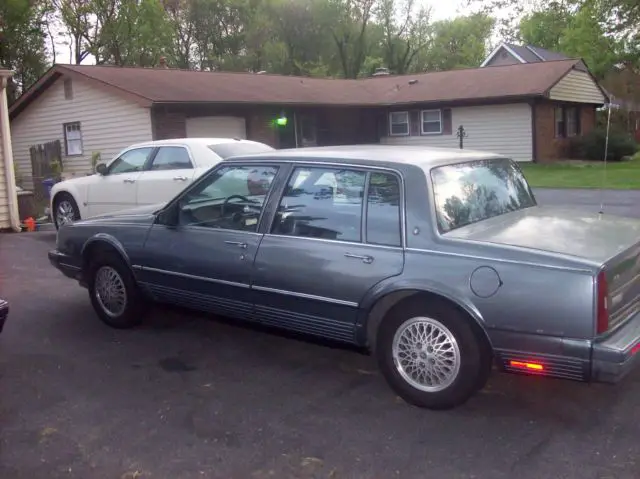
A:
[548, 148]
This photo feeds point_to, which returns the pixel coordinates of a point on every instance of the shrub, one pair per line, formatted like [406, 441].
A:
[591, 146]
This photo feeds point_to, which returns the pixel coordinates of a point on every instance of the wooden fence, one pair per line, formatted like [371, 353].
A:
[44, 159]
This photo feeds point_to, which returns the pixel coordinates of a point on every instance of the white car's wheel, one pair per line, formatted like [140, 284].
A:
[431, 354]
[65, 210]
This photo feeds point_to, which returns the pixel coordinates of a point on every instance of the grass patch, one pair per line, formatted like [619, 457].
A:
[620, 175]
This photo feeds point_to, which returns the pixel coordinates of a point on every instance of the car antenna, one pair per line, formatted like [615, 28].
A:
[608, 106]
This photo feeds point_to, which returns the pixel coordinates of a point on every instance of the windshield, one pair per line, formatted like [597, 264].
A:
[236, 148]
[473, 191]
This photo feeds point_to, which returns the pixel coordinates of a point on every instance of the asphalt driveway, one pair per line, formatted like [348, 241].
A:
[188, 396]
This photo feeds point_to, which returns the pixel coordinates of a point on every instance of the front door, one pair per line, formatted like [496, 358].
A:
[320, 258]
[117, 189]
[170, 172]
[206, 261]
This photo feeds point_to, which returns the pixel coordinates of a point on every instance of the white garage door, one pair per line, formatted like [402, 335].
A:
[216, 127]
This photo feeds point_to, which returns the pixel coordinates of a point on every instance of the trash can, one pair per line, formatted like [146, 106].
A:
[48, 184]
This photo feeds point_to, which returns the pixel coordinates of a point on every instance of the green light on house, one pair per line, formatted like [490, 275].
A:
[282, 121]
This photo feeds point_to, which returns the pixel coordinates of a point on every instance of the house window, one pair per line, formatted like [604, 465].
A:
[399, 123]
[68, 89]
[431, 122]
[72, 138]
[559, 122]
[572, 117]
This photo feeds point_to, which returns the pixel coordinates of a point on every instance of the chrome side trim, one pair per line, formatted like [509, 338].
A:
[500, 260]
[70, 266]
[347, 243]
[191, 276]
[306, 296]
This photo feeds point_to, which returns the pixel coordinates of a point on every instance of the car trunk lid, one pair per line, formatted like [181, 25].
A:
[623, 279]
[610, 243]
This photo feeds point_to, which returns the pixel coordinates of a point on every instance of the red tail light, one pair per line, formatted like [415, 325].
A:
[603, 303]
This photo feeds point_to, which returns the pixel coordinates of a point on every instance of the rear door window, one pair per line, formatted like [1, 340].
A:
[322, 203]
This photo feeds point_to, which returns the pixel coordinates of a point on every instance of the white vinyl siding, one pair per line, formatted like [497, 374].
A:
[577, 86]
[502, 129]
[216, 127]
[108, 123]
[4, 194]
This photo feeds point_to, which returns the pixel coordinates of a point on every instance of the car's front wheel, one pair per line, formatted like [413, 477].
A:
[113, 291]
[65, 210]
[431, 354]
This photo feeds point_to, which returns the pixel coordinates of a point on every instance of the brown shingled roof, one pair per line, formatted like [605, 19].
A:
[156, 85]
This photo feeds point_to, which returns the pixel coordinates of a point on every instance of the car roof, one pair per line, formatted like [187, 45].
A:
[193, 141]
[421, 156]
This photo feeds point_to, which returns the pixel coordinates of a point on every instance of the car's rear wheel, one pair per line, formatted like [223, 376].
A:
[113, 291]
[65, 210]
[431, 355]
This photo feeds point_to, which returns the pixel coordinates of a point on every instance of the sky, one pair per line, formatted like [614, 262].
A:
[440, 10]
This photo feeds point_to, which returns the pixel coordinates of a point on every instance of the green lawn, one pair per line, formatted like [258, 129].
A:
[619, 175]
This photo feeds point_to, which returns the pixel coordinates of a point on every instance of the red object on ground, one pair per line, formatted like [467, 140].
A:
[30, 223]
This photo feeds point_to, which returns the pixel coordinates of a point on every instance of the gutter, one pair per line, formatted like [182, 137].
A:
[5, 132]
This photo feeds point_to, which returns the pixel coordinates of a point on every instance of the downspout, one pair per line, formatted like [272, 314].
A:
[10, 177]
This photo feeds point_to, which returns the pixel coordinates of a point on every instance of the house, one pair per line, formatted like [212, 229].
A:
[504, 109]
[510, 54]
[8, 197]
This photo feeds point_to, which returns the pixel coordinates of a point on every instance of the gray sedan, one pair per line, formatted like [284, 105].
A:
[440, 262]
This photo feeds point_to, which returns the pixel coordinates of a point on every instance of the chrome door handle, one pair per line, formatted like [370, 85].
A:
[239, 244]
[365, 258]
[129, 180]
[180, 178]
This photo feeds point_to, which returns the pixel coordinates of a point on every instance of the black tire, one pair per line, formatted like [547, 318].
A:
[474, 354]
[59, 199]
[135, 306]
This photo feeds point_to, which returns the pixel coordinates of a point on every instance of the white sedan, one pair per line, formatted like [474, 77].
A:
[143, 174]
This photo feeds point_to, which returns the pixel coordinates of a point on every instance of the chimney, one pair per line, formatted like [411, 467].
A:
[163, 62]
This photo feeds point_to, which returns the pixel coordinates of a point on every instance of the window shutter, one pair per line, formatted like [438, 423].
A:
[414, 123]
[383, 124]
[447, 122]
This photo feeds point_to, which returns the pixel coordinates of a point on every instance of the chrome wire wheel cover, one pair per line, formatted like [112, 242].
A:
[426, 354]
[110, 291]
[65, 213]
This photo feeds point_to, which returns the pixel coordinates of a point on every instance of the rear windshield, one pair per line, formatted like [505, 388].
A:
[226, 150]
[465, 193]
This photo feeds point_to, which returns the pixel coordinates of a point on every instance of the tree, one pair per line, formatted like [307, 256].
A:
[22, 43]
[405, 28]
[545, 28]
[459, 43]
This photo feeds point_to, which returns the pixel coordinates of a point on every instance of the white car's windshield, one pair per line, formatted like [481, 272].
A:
[465, 193]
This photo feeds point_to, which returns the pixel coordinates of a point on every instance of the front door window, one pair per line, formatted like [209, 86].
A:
[231, 198]
[130, 161]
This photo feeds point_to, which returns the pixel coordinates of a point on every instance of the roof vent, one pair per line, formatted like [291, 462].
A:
[381, 72]
[413, 81]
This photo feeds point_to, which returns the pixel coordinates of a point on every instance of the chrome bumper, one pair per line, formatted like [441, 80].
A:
[617, 355]
[66, 265]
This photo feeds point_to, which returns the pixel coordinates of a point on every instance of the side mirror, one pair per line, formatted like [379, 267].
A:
[169, 216]
[101, 169]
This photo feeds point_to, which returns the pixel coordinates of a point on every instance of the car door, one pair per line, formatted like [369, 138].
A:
[170, 171]
[320, 257]
[117, 189]
[205, 260]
